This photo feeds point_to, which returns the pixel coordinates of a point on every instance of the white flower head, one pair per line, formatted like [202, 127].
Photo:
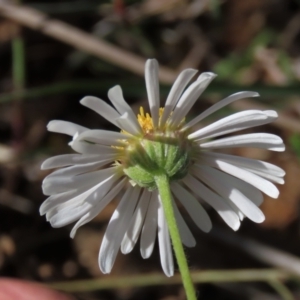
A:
[109, 163]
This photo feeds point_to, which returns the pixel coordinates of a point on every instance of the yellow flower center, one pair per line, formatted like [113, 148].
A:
[145, 120]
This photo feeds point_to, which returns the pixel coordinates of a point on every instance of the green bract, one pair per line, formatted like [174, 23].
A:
[149, 156]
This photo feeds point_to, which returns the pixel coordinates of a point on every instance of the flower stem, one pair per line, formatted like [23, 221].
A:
[163, 186]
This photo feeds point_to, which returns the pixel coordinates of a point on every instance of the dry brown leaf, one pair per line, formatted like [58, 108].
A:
[244, 20]
[155, 7]
[8, 30]
[284, 210]
[267, 62]
[87, 243]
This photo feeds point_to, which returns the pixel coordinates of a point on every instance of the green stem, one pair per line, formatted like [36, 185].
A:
[18, 64]
[163, 186]
[18, 61]
[18, 74]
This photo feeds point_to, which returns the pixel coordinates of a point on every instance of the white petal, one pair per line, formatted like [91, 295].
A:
[99, 206]
[260, 183]
[79, 169]
[125, 123]
[241, 216]
[58, 184]
[221, 206]
[148, 234]
[116, 229]
[62, 204]
[165, 250]
[57, 199]
[88, 148]
[249, 163]
[104, 137]
[255, 140]
[258, 167]
[72, 159]
[192, 206]
[77, 196]
[269, 177]
[115, 95]
[110, 114]
[71, 203]
[238, 121]
[178, 87]
[217, 180]
[152, 85]
[101, 107]
[186, 236]
[189, 97]
[67, 215]
[70, 214]
[235, 209]
[249, 190]
[74, 209]
[135, 227]
[219, 105]
[65, 127]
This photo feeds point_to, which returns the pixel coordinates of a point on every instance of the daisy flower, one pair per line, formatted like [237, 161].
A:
[110, 165]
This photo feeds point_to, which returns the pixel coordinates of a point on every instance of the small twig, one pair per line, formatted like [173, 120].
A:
[79, 39]
[70, 7]
[245, 275]
[290, 32]
[281, 289]
[249, 291]
[199, 47]
[264, 253]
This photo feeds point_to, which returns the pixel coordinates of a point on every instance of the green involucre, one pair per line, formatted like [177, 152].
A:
[149, 156]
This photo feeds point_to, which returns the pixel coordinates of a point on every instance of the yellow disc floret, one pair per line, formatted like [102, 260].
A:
[145, 120]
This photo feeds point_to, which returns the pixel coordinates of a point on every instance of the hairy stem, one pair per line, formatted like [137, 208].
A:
[163, 186]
